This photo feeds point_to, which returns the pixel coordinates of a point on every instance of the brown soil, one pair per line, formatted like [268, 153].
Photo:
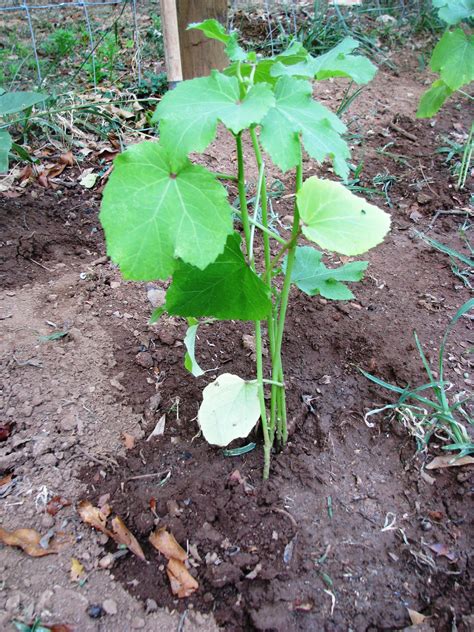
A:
[339, 538]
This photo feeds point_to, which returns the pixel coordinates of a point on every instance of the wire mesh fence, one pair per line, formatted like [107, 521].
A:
[97, 24]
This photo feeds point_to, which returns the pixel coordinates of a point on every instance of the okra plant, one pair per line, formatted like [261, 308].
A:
[453, 60]
[164, 216]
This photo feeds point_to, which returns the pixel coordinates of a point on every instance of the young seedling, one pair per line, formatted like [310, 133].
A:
[13, 103]
[164, 216]
[426, 410]
[453, 60]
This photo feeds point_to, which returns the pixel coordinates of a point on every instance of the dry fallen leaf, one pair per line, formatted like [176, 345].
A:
[56, 504]
[67, 159]
[60, 627]
[416, 617]
[449, 460]
[159, 429]
[94, 516]
[166, 544]
[441, 549]
[97, 518]
[5, 431]
[182, 582]
[28, 540]
[77, 570]
[6, 480]
[123, 536]
[128, 440]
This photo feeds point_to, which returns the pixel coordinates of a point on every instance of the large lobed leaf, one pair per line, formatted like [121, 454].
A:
[189, 114]
[336, 219]
[453, 11]
[215, 30]
[433, 99]
[227, 289]
[453, 58]
[313, 277]
[13, 102]
[337, 62]
[296, 113]
[153, 215]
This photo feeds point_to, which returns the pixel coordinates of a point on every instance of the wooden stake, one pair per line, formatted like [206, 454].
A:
[169, 23]
[199, 55]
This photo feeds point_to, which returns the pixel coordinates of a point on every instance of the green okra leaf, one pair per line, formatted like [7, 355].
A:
[227, 289]
[295, 54]
[453, 58]
[215, 30]
[453, 11]
[433, 99]
[189, 114]
[153, 214]
[13, 102]
[336, 219]
[230, 409]
[313, 277]
[337, 62]
[6, 143]
[294, 113]
[190, 361]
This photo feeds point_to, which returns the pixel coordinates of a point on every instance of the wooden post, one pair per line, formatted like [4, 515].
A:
[190, 54]
[199, 55]
[169, 24]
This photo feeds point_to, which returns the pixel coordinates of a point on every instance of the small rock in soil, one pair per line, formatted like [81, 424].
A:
[223, 574]
[13, 602]
[144, 359]
[95, 611]
[47, 521]
[154, 402]
[167, 336]
[156, 296]
[109, 606]
[41, 446]
[151, 606]
[138, 623]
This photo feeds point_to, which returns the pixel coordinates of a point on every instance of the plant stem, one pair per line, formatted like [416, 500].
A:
[261, 396]
[241, 186]
[226, 176]
[270, 233]
[278, 395]
[258, 329]
[267, 253]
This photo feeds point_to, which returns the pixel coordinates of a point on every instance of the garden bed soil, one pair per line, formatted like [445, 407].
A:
[350, 531]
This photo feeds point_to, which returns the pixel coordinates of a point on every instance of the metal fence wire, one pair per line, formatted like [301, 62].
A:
[26, 8]
[266, 7]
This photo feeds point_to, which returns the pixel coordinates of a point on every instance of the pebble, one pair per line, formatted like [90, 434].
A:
[49, 460]
[151, 605]
[13, 602]
[156, 296]
[41, 446]
[37, 400]
[144, 359]
[47, 521]
[110, 606]
[44, 600]
[167, 337]
[138, 623]
[68, 422]
[95, 611]
[27, 410]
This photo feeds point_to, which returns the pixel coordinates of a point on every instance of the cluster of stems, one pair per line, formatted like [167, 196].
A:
[274, 421]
